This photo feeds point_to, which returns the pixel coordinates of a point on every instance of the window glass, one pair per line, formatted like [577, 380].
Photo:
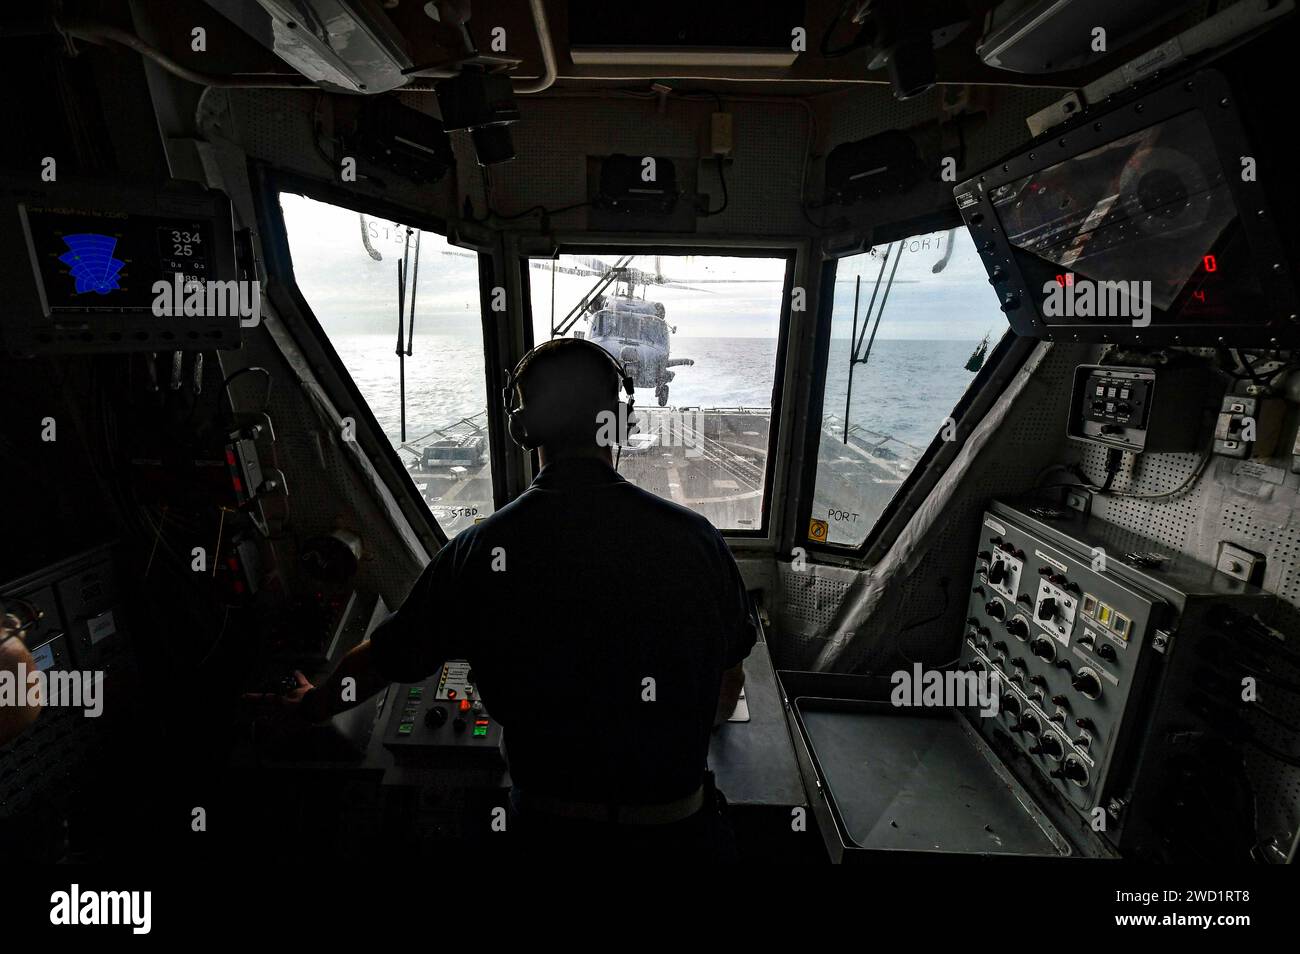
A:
[699, 335]
[925, 320]
[347, 267]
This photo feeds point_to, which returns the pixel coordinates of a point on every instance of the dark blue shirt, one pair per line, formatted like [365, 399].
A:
[598, 619]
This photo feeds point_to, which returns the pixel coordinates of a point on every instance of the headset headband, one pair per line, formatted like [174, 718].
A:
[513, 378]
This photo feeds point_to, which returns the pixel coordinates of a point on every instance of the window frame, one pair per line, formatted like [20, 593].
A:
[787, 251]
[1004, 359]
[279, 266]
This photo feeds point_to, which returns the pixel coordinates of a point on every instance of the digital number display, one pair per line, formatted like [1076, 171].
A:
[92, 261]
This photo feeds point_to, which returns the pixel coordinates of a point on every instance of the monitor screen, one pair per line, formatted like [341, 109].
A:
[1150, 215]
[87, 260]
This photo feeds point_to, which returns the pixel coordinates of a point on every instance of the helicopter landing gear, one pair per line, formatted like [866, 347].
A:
[661, 395]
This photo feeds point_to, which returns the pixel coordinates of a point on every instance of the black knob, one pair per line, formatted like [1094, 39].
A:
[1000, 645]
[1086, 724]
[1038, 681]
[1044, 647]
[1053, 747]
[997, 572]
[978, 591]
[1018, 628]
[436, 717]
[1075, 771]
[1086, 682]
[458, 724]
[1010, 704]
[1047, 609]
[1059, 700]
[972, 620]
[1019, 663]
[995, 609]
[985, 555]
[1107, 652]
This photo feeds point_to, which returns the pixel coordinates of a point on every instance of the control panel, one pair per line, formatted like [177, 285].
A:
[1061, 642]
[1077, 625]
[1142, 409]
[442, 716]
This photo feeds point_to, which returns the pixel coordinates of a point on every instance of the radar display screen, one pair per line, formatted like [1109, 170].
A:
[1150, 212]
[97, 261]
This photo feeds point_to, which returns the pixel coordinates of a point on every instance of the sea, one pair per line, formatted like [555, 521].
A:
[905, 390]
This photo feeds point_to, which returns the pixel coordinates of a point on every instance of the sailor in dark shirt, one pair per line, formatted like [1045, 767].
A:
[606, 628]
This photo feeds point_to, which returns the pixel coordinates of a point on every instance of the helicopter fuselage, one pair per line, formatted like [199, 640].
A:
[636, 332]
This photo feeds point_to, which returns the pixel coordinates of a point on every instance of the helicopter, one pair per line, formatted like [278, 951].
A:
[631, 328]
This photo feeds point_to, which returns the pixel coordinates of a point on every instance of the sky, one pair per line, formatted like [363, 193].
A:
[350, 292]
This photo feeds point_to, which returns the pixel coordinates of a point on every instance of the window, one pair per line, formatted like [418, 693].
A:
[911, 323]
[699, 335]
[346, 266]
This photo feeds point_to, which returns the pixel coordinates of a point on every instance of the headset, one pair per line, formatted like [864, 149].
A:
[517, 415]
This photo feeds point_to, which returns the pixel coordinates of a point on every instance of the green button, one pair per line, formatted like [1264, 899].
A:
[480, 730]
[415, 692]
[405, 728]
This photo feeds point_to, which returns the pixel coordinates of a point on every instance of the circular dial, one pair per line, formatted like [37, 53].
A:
[996, 609]
[1075, 771]
[1087, 682]
[1010, 704]
[1052, 746]
[1031, 725]
[1018, 627]
[1044, 647]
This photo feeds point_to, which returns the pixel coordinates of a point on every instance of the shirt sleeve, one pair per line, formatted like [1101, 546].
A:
[741, 629]
[412, 642]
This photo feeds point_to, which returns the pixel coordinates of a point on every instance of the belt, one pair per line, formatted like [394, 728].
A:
[661, 813]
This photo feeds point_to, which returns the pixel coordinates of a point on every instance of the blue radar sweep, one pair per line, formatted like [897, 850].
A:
[90, 260]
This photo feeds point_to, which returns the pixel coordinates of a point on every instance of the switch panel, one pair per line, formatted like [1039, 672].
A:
[1080, 643]
[442, 717]
[1142, 409]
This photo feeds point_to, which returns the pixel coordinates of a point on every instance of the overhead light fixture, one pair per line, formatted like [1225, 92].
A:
[345, 45]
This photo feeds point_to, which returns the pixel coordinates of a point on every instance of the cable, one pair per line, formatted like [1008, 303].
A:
[722, 177]
[1185, 485]
[898, 637]
[270, 379]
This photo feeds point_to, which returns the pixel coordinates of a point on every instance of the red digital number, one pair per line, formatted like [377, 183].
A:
[1210, 263]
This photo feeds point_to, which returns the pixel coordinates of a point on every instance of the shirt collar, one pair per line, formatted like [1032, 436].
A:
[576, 472]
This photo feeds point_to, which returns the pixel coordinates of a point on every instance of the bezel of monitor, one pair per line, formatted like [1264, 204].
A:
[1207, 92]
[32, 326]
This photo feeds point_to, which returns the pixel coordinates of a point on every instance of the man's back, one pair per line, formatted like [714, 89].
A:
[598, 619]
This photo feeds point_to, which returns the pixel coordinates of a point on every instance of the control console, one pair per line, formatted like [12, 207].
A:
[1078, 623]
[443, 715]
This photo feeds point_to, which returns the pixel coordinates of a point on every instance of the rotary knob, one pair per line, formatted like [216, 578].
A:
[1018, 627]
[1044, 647]
[1010, 704]
[1087, 682]
[1052, 746]
[997, 572]
[1031, 725]
[436, 717]
[1075, 771]
[1047, 609]
[995, 609]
